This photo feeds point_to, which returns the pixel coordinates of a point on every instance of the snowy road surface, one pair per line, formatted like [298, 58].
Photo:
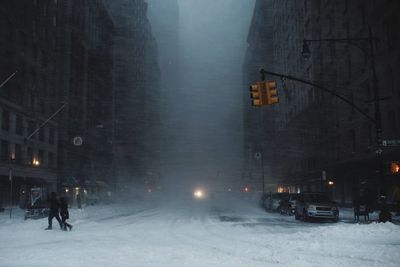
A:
[226, 231]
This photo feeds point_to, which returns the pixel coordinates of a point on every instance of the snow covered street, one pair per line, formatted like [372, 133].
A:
[225, 231]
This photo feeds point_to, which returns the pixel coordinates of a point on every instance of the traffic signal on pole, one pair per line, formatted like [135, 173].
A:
[256, 95]
[271, 92]
[395, 167]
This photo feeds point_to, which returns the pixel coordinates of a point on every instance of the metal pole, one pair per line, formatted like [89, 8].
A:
[11, 191]
[378, 120]
[262, 71]
[262, 149]
[262, 169]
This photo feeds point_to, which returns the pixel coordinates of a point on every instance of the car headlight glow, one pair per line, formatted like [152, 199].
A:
[198, 193]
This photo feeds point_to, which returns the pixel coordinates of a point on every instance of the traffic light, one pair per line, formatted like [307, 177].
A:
[395, 167]
[271, 92]
[256, 95]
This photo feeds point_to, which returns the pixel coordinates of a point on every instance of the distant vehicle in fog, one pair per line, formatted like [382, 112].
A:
[316, 205]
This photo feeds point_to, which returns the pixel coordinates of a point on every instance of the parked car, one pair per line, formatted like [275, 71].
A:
[316, 205]
[288, 205]
[273, 201]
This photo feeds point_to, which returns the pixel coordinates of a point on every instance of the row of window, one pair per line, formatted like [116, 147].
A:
[45, 134]
[36, 157]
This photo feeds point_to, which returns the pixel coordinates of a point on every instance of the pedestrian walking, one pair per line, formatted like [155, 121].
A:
[54, 211]
[64, 214]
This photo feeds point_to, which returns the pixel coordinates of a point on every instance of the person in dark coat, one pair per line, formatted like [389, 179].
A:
[64, 214]
[54, 210]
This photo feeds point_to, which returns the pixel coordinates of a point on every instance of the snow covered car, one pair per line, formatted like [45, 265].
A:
[274, 200]
[316, 205]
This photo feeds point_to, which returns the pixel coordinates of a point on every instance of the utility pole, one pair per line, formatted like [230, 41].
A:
[378, 118]
[262, 146]
[11, 190]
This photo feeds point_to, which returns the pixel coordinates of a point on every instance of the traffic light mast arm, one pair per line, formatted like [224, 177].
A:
[263, 72]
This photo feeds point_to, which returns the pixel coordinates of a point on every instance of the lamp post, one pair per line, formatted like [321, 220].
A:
[370, 40]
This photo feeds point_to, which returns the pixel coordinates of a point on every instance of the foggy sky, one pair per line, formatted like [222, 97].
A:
[203, 109]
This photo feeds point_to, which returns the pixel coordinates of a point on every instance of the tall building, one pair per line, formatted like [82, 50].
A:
[63, 52]
[29, 46]
[136, 92]
[315, 137]
[85, 82]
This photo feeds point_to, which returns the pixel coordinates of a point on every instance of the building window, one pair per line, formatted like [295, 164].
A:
[306, 6]
[29, 156]
[45, 11]
[31, 128]
[18, 153]
[51, 160]
[368, 130]
[51, 136]
[19, 125]
[5, 150]
[363, 15]
[392, 120]
[40, 157]
[352, 134]
[41, 134]
[5, 122]
[392, 32]
[349, 67]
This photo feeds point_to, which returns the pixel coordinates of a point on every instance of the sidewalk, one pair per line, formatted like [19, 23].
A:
[347, 215]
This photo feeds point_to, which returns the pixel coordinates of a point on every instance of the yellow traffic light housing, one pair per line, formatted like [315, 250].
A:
[256, 95]
[271, 92]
